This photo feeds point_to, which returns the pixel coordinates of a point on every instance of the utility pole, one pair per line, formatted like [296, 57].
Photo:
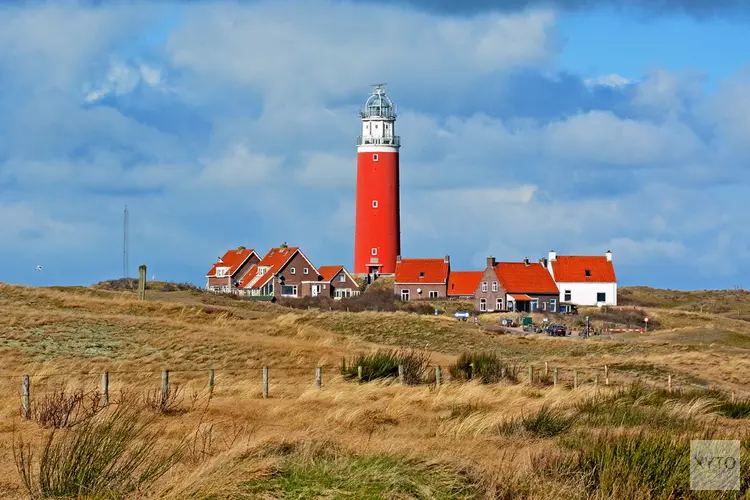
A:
[125, 273]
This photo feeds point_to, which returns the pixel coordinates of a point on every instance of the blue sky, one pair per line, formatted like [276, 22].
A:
[526, 126]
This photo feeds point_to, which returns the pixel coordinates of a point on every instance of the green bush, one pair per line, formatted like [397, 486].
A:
[372, 300]
[485, 366]
[384, 363]
[546, 423]
[109, 456]
[735, 409]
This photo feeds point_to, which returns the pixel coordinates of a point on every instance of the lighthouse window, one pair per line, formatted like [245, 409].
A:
[374, 157]
[374, 203]
[374, 251]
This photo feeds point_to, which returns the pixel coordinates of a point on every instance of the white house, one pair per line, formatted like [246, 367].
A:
[584, 280]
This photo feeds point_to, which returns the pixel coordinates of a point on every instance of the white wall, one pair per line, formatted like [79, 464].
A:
[584, 294]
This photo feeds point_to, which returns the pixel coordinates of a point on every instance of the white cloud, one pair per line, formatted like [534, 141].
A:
[239, 168]
[612, 80]
[327, 170]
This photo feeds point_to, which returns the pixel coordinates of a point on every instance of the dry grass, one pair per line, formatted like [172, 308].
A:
[374, 440]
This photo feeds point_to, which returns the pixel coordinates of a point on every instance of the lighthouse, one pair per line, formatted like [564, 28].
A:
[377, 226]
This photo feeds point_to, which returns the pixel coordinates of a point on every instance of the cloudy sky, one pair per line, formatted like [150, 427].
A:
[526, 126]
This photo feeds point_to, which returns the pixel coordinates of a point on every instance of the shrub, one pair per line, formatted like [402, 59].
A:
[169, 403]
[61, 408]
[735, 409]
[486, 366]
[106, 457]
[384, 363]
[371, 300]
[546, 423]
[630, 317]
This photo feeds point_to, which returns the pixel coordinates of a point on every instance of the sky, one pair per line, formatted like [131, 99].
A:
[526, 126]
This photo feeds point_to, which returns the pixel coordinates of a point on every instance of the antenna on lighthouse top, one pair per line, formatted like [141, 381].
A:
[378, 87]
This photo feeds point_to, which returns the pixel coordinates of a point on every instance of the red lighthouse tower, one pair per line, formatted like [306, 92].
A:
[377, 231]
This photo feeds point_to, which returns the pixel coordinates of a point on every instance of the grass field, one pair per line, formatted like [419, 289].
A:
[379, 439]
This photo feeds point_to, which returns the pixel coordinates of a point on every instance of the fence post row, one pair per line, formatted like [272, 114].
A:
[25, 397]
[105, 389]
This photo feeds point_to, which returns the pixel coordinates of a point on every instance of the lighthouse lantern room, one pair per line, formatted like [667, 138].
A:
[377, 231]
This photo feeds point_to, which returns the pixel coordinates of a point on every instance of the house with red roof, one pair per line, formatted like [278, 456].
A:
[516, 286]
[225, 275]
[337, 282]
[462, 285]
[421, 278]
[283, 272]
[583, 280]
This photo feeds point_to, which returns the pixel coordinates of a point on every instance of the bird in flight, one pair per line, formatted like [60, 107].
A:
[38, 268]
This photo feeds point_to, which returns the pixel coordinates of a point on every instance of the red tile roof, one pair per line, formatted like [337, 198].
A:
[232, 259]
[329, 272]
[572, 269]
[422, 271]
[464, 282]
[275, 259]
[520, 297]
[517, 277]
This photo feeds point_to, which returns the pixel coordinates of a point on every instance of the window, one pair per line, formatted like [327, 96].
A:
[568, 296]
[342, 278]
[343, 293]
[588, 273]
[292, 270]
[552, 305]
[433, 294]
[374, 251]
[374, 203]
[305, 271]
[421, 274]
[601, 297]
[534, 305]
[484, 286]
[482, 305]
[405, 295]
[220, 272]
[374, 157]
[494, 286]
[499, 305]
[289, 290]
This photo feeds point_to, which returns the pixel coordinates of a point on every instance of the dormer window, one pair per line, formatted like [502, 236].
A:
[421, 274]
[588, 273]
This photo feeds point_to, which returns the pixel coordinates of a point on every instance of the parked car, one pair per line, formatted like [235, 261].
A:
[556, 330]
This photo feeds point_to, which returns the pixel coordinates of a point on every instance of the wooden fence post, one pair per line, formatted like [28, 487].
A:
[596, 381]
[401, 374]
[554, 377]
[105, 389]
[669, 383]
[359, 373]
[164, 387]
[531, 374]
[265, 382]
[546, 368]
[575, 379]
[25, 397]
[211, 380]
[142, 282]
[606, 375]
[438, 376]
[318, 377]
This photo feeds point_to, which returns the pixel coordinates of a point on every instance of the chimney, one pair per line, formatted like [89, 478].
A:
[526, 262]
[609, 255]
[447, 258]
[398, 258]
[491, 262]
[552, 256]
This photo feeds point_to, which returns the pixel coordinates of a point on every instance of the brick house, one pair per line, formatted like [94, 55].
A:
[421, 278]
[225, 275]
[283, 272]
[529, 287]
[462, 285]
[338, 282]
[515, 286]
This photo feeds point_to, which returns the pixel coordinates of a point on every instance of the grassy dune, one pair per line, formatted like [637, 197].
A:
[377, 439]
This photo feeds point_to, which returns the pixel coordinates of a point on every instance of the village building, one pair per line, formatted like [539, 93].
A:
[528, 287]
[583, 280]
[421, 278]
[283, 272]
[225, 275]
[338, 283]
[462, 285]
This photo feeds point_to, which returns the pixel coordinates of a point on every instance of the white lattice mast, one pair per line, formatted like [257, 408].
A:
[125, 244]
